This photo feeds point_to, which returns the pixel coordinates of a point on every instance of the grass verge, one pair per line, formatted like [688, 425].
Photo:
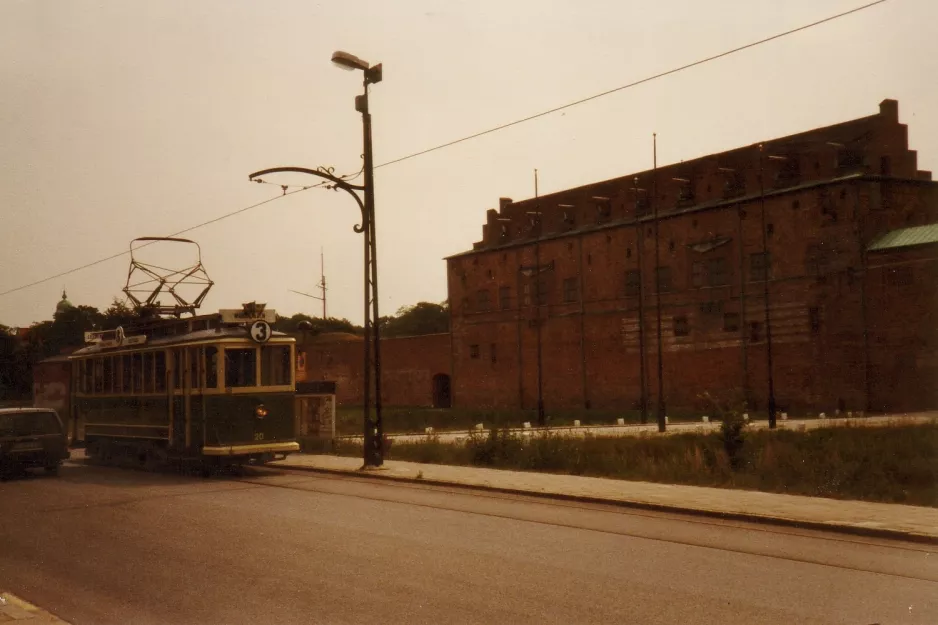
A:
[893, 464]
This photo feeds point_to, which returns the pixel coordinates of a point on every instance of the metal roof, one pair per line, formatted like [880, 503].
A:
[905, 237]
[215, 334]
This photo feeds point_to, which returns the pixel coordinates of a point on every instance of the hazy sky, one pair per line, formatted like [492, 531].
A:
[128, 118]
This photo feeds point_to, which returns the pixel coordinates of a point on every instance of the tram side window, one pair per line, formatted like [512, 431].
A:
[195, 366]
[211, 367]
[86, 376]
[148, 372]
[98, 375]
[137, 367]
[179, 367]
[275, 365]
[126, 375]
[159, 370]
[108, 374]
[241, 367]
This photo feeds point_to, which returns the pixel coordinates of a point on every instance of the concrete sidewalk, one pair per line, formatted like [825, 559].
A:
[15, 610]
[913, 523]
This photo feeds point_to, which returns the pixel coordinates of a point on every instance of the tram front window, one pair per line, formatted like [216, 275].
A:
[240, 367]
[275, 365]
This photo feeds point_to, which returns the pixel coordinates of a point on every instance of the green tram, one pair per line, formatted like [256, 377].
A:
[214, 389]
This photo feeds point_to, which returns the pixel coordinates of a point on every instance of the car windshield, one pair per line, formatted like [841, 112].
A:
[29, 424]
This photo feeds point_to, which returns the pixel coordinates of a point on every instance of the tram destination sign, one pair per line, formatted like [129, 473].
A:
[248, 315]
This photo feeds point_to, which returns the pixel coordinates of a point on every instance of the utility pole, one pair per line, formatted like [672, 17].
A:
[321, 286]
[541, 419]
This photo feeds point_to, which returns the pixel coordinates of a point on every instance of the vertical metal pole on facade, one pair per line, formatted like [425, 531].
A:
[765, 283]
[541, 419]
[661, 406]
[641, 311]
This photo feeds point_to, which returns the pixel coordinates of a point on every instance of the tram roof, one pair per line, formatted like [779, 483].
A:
[197, 336]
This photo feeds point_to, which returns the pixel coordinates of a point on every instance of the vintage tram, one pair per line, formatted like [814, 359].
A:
[217, 389]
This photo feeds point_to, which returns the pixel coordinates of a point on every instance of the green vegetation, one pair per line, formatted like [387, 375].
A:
[417, 320]
[894, 464]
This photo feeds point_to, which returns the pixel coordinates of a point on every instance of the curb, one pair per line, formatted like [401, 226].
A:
[855, 530]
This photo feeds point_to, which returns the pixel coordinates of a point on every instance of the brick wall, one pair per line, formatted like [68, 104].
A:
[409, 365]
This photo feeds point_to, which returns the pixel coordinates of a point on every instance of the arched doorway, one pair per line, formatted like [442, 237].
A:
[442, 395]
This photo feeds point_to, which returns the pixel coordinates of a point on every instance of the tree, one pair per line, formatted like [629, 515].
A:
[417, 320]
[290, 325]
[117, 315]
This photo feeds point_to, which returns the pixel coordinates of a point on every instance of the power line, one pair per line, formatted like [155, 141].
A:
[176, 234]
[479, 134]
[633, 84]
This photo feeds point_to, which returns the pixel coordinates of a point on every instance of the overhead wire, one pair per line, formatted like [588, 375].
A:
[636, 83]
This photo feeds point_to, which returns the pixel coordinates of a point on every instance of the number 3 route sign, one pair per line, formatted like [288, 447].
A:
[260, 331]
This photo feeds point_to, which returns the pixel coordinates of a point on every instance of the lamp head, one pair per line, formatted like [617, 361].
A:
[349, 62]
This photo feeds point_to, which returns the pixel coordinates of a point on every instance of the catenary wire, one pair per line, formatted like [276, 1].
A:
[479, 134]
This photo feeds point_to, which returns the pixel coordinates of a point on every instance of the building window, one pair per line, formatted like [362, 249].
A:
[527, 294]
[663, 275]
[543, 286]
[885, 166]
[604, 210]
[681, 327]
[814, 319]
[466, 306]
[731, 322]
[482, 299]
[632, 282]
[710, 308]
[850, 159]
[570, 290]
[760, 266]
[697, 274]
[685, 196]
[492, 352]
[898, 276]
[755, 331]
[474, 352]
[717, 272]
[504, 297]
[769, 229]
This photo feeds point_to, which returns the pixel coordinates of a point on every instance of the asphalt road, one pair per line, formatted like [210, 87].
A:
[100, 546]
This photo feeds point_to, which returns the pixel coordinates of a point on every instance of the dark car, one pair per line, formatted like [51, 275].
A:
[31, 437]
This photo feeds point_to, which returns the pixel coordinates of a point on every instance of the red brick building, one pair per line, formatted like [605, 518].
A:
[852, 295]
[415, 370]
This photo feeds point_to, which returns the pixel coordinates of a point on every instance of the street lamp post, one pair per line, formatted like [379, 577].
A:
[373, 428]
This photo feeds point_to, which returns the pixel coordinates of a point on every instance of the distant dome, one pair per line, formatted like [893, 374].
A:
[63, 305]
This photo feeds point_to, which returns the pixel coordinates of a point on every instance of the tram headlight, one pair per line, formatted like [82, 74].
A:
[260, 412]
